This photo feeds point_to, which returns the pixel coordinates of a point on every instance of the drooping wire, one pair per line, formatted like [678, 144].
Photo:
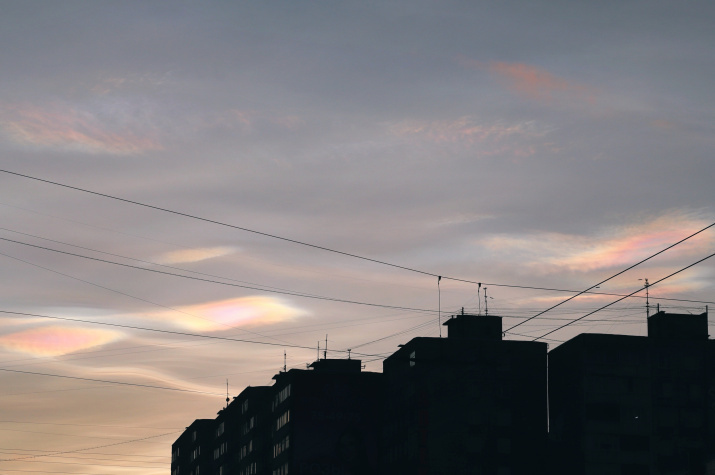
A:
[625, 297]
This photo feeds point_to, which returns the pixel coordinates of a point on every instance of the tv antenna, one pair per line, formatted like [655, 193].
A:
[486, 304]
[227, 398]
[647, 302]
[439, 306]
[479, 300]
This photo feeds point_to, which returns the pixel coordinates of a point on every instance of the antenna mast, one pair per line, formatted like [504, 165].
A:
[486, 305]
[325, 351]
[439, 306]
[647, 302]
[227, 398]
[284, 361]
[479, 301]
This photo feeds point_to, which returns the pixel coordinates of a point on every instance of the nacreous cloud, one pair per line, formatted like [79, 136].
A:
[194, 255]
[620, 246]
[238, 312]
[57, 341]
[65, 128]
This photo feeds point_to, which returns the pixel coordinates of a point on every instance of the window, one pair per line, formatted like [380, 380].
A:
[282, 395]
[412, 358]
[219, 430]
[251, 469]
[248, 425]
[244, 406]
[245, 450]
[281, 471]
[283, 419]
[281, 446]
[193, 437]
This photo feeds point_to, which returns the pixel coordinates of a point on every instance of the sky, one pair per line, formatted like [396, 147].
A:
[524, 145]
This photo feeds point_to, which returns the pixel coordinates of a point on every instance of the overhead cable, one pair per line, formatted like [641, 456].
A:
[295, 241]
[622, 298]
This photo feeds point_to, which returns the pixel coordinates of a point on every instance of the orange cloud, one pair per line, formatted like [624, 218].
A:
[70, 129]
[194, 255]
[56, 341]
[617, 247]
[531, 81]
[238, 312]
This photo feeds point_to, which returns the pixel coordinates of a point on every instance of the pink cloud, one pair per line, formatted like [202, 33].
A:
[617, 247]
[56, 341]
[531, 81]
[238, 312]
[67, 128]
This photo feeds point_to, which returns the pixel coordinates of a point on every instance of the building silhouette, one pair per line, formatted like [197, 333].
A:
[473, 403]
[190, 454]
[470, 403]
[635, 405]
[325, 419]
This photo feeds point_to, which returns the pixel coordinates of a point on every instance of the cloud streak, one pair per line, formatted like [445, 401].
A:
[71, 129]
[194, 255]
[533, 82]
[237, 312]
[496, 138]
[558, 252]
[56, 340]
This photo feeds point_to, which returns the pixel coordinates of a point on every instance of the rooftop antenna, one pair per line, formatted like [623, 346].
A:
[647, 302]
[486, 305]
[479, 301]
[349, 350]
[439, 306]
[318, 351]
[325, 351]
[227, 398]
[284, 361]
[462, 310]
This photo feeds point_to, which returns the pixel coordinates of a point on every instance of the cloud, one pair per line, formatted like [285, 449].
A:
[56, 341]
[68, 128]
[194, 255]
[531, 81]
[237, 312]
[615, 247]
[494, 138]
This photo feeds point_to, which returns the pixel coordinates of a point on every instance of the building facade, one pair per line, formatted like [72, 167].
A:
[635, 405]
[470, 403]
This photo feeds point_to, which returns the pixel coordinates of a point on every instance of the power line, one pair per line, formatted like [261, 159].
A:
[143, 261]
[282, 292]
[109, 382]
[302, 243]
[50, 454]
[171, 332]
[207, 220]
[622, 298]
[615, 275]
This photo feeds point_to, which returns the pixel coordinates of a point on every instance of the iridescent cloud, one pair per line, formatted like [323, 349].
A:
[616, 247]
[194, 255]
[531, 81]
[57, 341]
[238, 312]
[71, 129]
[493, 138]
